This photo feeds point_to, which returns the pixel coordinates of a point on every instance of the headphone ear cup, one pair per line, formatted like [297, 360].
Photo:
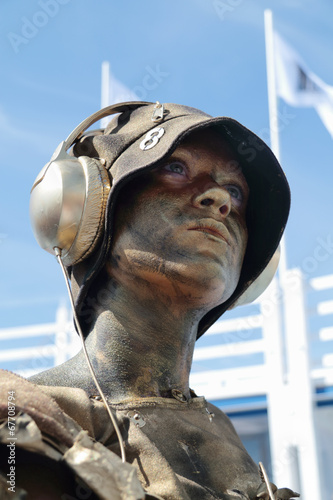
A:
[67, 207]
[91, 225]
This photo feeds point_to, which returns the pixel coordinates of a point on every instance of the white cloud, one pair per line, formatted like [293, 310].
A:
[62, 91]
[10, 131]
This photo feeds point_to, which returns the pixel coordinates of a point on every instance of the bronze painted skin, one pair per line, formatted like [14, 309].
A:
[179, 240]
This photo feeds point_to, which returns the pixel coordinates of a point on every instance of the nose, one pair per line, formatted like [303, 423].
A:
[215, 197]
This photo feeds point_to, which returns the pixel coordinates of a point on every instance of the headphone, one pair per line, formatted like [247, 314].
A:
[69, 196]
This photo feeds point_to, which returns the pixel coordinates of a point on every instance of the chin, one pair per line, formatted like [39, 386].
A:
[208, 285]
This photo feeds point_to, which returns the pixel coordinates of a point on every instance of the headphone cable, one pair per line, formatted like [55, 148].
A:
[101, 393]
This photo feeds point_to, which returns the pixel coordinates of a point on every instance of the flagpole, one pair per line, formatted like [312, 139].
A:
[279, 444]
[105, 89]
[273, 113]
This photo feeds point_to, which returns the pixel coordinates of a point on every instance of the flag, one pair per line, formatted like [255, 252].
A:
[118, 92]
[299, 86]
[113, 91]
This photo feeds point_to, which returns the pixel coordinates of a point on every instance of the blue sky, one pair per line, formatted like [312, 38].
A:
[209, 58]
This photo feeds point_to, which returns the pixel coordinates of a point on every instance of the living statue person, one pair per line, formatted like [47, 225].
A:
[190, 210]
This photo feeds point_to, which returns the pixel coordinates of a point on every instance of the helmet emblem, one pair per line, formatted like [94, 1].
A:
[152, 138]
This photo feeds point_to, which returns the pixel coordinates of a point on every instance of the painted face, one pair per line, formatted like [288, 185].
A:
[181, 227]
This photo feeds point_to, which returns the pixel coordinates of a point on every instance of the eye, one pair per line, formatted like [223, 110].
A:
[175, 167]
[234, 191]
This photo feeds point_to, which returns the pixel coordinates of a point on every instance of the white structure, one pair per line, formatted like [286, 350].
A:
[269, 366]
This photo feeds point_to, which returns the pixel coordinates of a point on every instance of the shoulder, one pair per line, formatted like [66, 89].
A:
[221, 417]
[29, 399]
[51, 448]
[60, 412]
[72, 373]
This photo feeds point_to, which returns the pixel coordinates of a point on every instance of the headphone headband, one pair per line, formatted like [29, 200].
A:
[102, 113]
[61, 151]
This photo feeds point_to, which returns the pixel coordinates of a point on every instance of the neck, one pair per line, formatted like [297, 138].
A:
[141, 346]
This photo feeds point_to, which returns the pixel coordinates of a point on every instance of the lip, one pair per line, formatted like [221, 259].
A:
[210, 226]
